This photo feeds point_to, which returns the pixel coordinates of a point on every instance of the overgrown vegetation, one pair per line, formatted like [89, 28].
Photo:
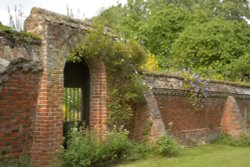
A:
[11, 161]
[167, 146]
[123, 59]
[86, 148]
[19, 37]
[242, 141]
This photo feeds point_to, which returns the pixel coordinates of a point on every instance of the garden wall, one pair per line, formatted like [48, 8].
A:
[32, 86]
[32, 90]
[20, 74]
[227, 109]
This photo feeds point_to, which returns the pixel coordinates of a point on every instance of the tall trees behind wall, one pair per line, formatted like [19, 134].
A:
[210, 36]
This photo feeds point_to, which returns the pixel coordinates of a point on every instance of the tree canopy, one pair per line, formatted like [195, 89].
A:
[210, 36]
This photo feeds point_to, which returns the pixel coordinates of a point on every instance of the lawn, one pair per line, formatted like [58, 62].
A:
[212, 155]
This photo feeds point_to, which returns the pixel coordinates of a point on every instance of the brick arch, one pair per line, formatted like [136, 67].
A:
[60, 35]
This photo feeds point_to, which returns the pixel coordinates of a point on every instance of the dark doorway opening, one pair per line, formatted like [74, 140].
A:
[76, 96]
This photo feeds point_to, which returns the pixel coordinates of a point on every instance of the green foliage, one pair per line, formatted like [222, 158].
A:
[12, 161]
[227, 139]
[162, 29]
[196, 89]
[242, 141]
[167, 146]
[240, 68]
[85, 149]
[212, 47]
[120, 112]
[230, 9]
[5, 28]
[18, 36]
[123, 59]
[207, 35]
[209, 155]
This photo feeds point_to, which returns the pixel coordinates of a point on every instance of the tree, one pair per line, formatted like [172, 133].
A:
[207, 35]
[211, 48]
[162, 29]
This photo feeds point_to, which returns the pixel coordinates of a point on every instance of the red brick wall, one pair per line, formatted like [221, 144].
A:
[60, 36]
[232, 120]
[18, 99]
[98, 96]
[140, 124]
[193, 126]
[244, 106]
[187, 123]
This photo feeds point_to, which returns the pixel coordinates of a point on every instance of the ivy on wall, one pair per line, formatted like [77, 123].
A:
[123, 59]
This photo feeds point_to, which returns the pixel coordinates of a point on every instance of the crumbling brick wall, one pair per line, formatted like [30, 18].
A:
[20, 73]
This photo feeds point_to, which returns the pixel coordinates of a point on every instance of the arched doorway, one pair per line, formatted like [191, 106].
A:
[76, 95]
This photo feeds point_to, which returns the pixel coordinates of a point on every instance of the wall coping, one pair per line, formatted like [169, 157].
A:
[171, 84]
[56, 18]
[170, 75]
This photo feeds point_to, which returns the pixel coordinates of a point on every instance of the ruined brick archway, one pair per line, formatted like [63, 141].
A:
[60, 35]
[76, 96]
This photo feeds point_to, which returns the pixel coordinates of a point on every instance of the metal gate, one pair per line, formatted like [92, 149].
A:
[73, 105]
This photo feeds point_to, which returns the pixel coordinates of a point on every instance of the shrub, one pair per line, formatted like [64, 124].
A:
[85, 149]
[227, 139]
[81, 148]
[167, 146]
[138, 151]
[11, 161]
[242, 141]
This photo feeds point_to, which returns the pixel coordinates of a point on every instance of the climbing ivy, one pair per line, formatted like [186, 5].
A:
[123, 59]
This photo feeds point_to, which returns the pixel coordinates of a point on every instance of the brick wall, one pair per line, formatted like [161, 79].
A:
[31, 95]
[32, 86]
[227, 110]
[18, 100]
[60, 36]
[244, 106]
[20, 74]
[140, 124]
[188, 124]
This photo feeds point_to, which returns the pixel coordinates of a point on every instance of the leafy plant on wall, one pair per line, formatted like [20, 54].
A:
[123, 59]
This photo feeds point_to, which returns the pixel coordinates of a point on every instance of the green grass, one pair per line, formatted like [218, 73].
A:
[213, 155]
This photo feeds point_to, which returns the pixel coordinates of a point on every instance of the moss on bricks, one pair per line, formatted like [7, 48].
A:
[19, 37]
